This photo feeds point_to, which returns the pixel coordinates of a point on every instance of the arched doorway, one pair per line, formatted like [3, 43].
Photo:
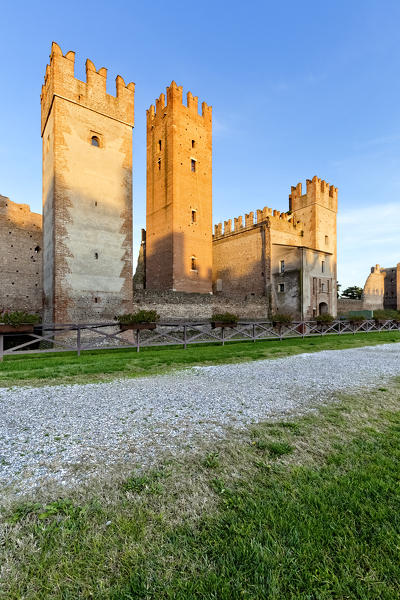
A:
[323, 308]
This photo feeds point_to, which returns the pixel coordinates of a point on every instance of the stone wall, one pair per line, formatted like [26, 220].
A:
[346, 305]
[20, 257]
[190, 306]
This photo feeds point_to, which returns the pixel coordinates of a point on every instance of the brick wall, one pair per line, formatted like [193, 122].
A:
[20, 257]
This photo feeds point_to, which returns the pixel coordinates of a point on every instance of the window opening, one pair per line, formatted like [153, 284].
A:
[159, 145]
[323, 266]
[194, 216]
[96, 255]
[193, 165]
[282, 266]
[326, 240]
[194, 263]
[159, 164]
[95, 141]
[281, 287]
[193, 143]
[37, 249]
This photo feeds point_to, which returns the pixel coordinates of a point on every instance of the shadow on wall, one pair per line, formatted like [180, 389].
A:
[87, 252]
[172, 265]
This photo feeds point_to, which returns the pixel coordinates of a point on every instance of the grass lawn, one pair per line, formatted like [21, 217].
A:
[103, 365]
[302, 509]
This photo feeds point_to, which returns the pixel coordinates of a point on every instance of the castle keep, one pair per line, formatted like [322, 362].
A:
[269, 262]
[87, 193]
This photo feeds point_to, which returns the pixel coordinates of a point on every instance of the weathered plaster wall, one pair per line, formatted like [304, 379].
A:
[392, 288]
[20, 257]
[87, 193]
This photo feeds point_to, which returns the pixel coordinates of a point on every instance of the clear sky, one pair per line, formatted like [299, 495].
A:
[298, 88]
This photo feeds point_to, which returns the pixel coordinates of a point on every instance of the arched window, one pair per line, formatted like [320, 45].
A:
[193, 263]
[95, 141]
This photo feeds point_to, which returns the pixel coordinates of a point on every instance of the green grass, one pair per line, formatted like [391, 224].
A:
[304, 509]
[104, 365]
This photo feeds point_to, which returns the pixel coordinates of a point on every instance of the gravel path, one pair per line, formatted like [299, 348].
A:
[65, 434]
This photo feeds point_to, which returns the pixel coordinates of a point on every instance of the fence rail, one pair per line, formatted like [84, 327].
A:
[92, 336]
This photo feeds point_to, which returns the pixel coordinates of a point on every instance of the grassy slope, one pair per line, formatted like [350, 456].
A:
[103, 365]
[306, 509]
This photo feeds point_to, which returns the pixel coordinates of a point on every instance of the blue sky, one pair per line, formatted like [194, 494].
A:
[297, 88]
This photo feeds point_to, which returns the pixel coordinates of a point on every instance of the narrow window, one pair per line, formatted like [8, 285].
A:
[95, 202]
[159, 145]
[322, 287]
[95, 300]
[326, 240]
[95, 141]
[323, 266]
[159, 164]
[282, 266]
[193, 143]
[193, 165]
[281, 287]
[96, 255]
[194, 216]
[194, 263]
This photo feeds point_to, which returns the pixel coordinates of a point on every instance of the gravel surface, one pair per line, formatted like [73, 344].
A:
[65, 434]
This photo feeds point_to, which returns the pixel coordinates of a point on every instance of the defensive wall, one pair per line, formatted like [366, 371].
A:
[20, 257]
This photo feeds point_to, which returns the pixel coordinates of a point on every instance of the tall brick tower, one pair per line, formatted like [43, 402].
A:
[87, 193]
[179, 194]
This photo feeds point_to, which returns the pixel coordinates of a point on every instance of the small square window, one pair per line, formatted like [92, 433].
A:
[281, 287]
[193, 165]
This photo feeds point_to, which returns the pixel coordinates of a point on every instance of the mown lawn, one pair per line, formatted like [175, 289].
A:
[103, 365]
[302, 509]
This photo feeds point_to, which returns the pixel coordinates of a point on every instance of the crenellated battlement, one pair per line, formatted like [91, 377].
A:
[59, 80]
[318, 191]
[274, 219]
[174, 101]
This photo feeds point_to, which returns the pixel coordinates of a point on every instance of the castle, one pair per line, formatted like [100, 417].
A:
[79, 263]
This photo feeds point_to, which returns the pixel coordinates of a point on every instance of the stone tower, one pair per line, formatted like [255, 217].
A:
[87, 193]
[179, 194]
[317, 209]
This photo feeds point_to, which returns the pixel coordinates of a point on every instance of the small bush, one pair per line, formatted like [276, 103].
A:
[325, 319]
[225, 318]
[386, 315]
[18, 317]
[281, 319]
[356, 319]
[142, 316]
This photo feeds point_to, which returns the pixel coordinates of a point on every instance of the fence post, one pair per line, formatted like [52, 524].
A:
[223, 335]
[1, 347]
[78, 341]
[137, 340]
[184, 337]
[254, 332]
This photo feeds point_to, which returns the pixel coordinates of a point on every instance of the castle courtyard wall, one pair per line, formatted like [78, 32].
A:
[20, 257]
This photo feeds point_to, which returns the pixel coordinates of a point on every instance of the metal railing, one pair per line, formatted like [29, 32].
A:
[96, 336]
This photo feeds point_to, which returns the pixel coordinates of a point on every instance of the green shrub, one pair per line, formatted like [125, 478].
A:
[225, 318]
[356, 319]
[142, 316]
[281, 319]
[325, 319]
[18, 317]
[386, 315]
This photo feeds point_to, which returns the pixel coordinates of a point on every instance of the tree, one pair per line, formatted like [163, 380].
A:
[353, 292]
